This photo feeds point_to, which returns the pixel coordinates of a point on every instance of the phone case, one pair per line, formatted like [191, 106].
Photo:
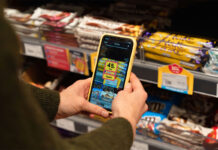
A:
[130, 62]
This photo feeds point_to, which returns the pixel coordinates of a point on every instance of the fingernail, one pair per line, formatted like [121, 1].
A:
[104, 113]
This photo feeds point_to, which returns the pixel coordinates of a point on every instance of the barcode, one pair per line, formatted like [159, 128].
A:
[168, 82]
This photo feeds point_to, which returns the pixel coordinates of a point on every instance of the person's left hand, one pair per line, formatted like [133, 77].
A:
[73, 101]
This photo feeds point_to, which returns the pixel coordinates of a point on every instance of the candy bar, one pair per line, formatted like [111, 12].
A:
[171, 61]
[172, 53]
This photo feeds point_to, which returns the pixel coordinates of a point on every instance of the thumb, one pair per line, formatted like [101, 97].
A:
[95, 109]
[128, 88]
[86, 82]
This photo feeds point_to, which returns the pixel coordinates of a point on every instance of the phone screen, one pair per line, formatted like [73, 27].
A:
[111, 70]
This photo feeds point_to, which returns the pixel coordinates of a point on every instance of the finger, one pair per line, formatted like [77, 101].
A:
[128, 88]
[94, 109]
[136, 84]
[86, 83]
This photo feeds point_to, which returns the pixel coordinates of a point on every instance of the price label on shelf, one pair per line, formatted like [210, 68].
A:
[174, 81]
[57, 57]
[66, 124]
[175, 78]
[33, 50]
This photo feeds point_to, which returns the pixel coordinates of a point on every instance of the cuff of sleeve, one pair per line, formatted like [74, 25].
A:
[115, 134]
[49, 100]
[123, 127]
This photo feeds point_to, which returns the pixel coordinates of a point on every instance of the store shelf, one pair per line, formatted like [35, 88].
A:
[81, 124]
[203, 84]
[147, 71]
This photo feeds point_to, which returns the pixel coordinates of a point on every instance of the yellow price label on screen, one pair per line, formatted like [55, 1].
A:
[108, 77]
[111, 66]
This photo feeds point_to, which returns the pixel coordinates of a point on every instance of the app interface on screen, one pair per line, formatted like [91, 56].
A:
[110, 74]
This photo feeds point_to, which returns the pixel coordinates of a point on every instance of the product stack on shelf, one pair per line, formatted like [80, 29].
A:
[188, 52]
[90, 30]
[22, 23]
[159, 105]
[56, 26]
[152, 13]
[186, 121]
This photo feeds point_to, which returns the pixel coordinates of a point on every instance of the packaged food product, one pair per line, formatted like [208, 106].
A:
[184, 134]
[213, 136]
[180, 39]
[16, 15]
[95, 23]
[51, 18]
[172, 53]
[211, 67]
[168, 60]
[158, 109]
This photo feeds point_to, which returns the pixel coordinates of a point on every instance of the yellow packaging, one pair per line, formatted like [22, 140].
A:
[181, 47]
[173, 53]
[189, 41]
[171, 61]
[184, 42]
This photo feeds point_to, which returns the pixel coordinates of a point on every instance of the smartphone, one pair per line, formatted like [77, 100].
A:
[112, 70]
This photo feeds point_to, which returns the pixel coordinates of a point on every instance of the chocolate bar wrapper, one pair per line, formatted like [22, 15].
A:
[51, 18]
[180, 143]
[181, 39]
[168, 60]
[213, 52]
[211, 67]
[16, 15]
[94, 23]
[87, 33]
[88, 46]
[172, 53]
[88, 41]
[187, 131]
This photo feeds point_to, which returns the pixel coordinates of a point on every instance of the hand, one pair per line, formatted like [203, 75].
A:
[73, 101]
[130, 102]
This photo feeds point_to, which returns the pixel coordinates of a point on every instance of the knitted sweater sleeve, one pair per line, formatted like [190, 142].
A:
[48, 100]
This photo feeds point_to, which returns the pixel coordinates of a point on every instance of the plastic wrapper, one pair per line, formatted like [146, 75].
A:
[211, 67]
[51, 18]
[189, 52]
[16, 15]
[158, 109]
[90, 30]
[104, 25]
[181, 39]
[61, 37]
[168, 60]
[211, 143]
[19, 21]
[172, 53]
[56, 26]
[187, 135]
[88, 46]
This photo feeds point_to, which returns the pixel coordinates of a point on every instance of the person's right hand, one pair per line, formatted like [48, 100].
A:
[130, 103]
